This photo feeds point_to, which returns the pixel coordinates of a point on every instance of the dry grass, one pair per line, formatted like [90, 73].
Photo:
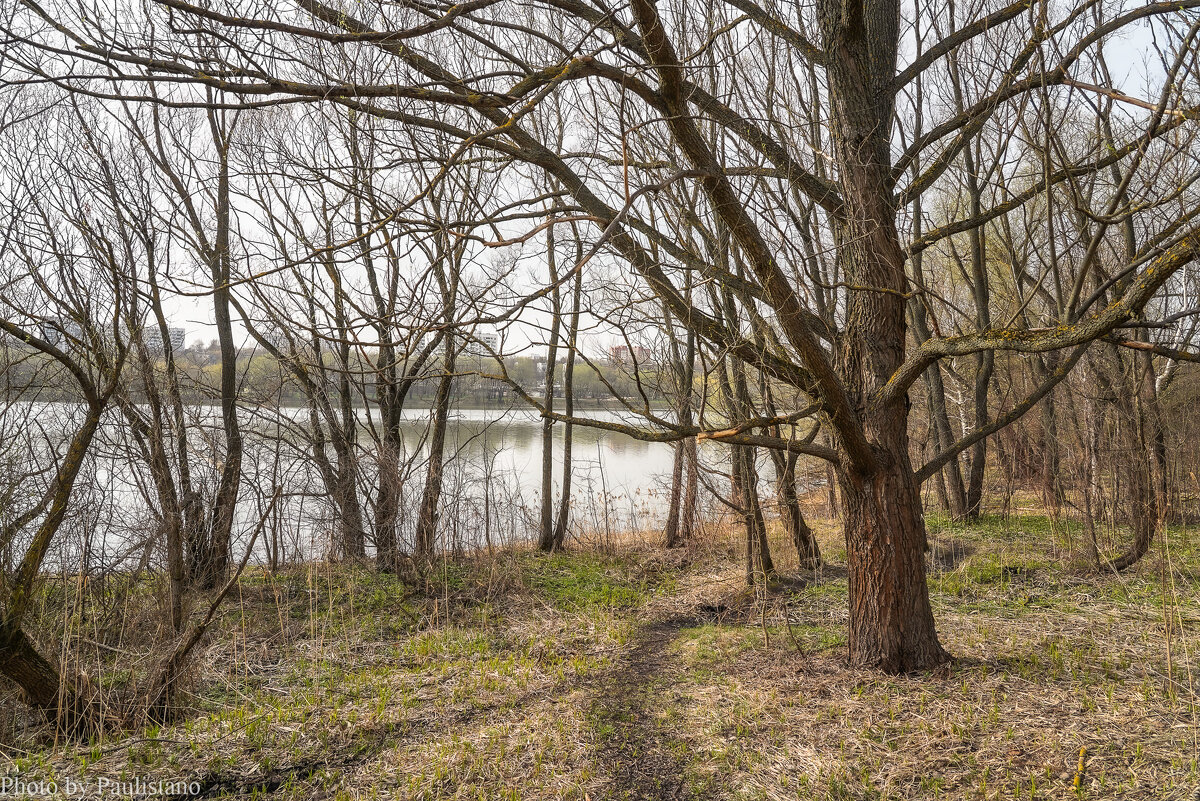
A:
[639, 673]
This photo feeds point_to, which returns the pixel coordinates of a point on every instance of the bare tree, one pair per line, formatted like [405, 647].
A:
[66, 299]
[479, 72]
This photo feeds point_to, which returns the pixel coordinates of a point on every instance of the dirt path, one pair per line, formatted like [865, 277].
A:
[643, 761]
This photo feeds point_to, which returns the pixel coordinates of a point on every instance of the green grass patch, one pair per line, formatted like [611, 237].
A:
[579, 581]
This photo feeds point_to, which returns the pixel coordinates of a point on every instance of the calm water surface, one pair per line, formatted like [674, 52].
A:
[492, 489]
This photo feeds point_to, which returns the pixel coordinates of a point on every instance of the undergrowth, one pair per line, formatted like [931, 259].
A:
[638, 672]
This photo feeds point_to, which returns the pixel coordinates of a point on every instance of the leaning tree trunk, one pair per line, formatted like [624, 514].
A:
[67, 701]
[213, 560]
[64, 700]
[427, 517]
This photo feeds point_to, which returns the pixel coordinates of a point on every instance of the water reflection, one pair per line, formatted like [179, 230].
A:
[492, 489]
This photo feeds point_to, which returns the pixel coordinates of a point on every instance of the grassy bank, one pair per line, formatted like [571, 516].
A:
[634, 672]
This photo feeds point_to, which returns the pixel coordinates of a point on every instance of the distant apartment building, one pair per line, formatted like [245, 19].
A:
[483, 343]
[176, 336]
[623, 354]
[477, 343]
[61, 330]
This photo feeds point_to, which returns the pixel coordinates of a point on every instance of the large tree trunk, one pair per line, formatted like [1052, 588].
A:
[691, 491]
[891, 622]
[351, 527]
[62, 703]
[387, 506]
[68, 703]
[21, 662]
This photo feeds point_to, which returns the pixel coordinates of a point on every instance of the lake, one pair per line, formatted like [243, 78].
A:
[491, 495]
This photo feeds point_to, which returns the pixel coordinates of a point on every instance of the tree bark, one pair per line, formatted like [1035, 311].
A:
[891, 623]
[546, 532]
[981, 291]
[744, 480]
[794, 524]
[682, 510]
[562, 522]
[62, 703]
[759, 565]
[671, 527]
[211, 563]
[427, 515]
[691, 491]
[184, 499]
[1051, 480]
[66, 702]
[802, 537]
[344, 425]
[1147, 464]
